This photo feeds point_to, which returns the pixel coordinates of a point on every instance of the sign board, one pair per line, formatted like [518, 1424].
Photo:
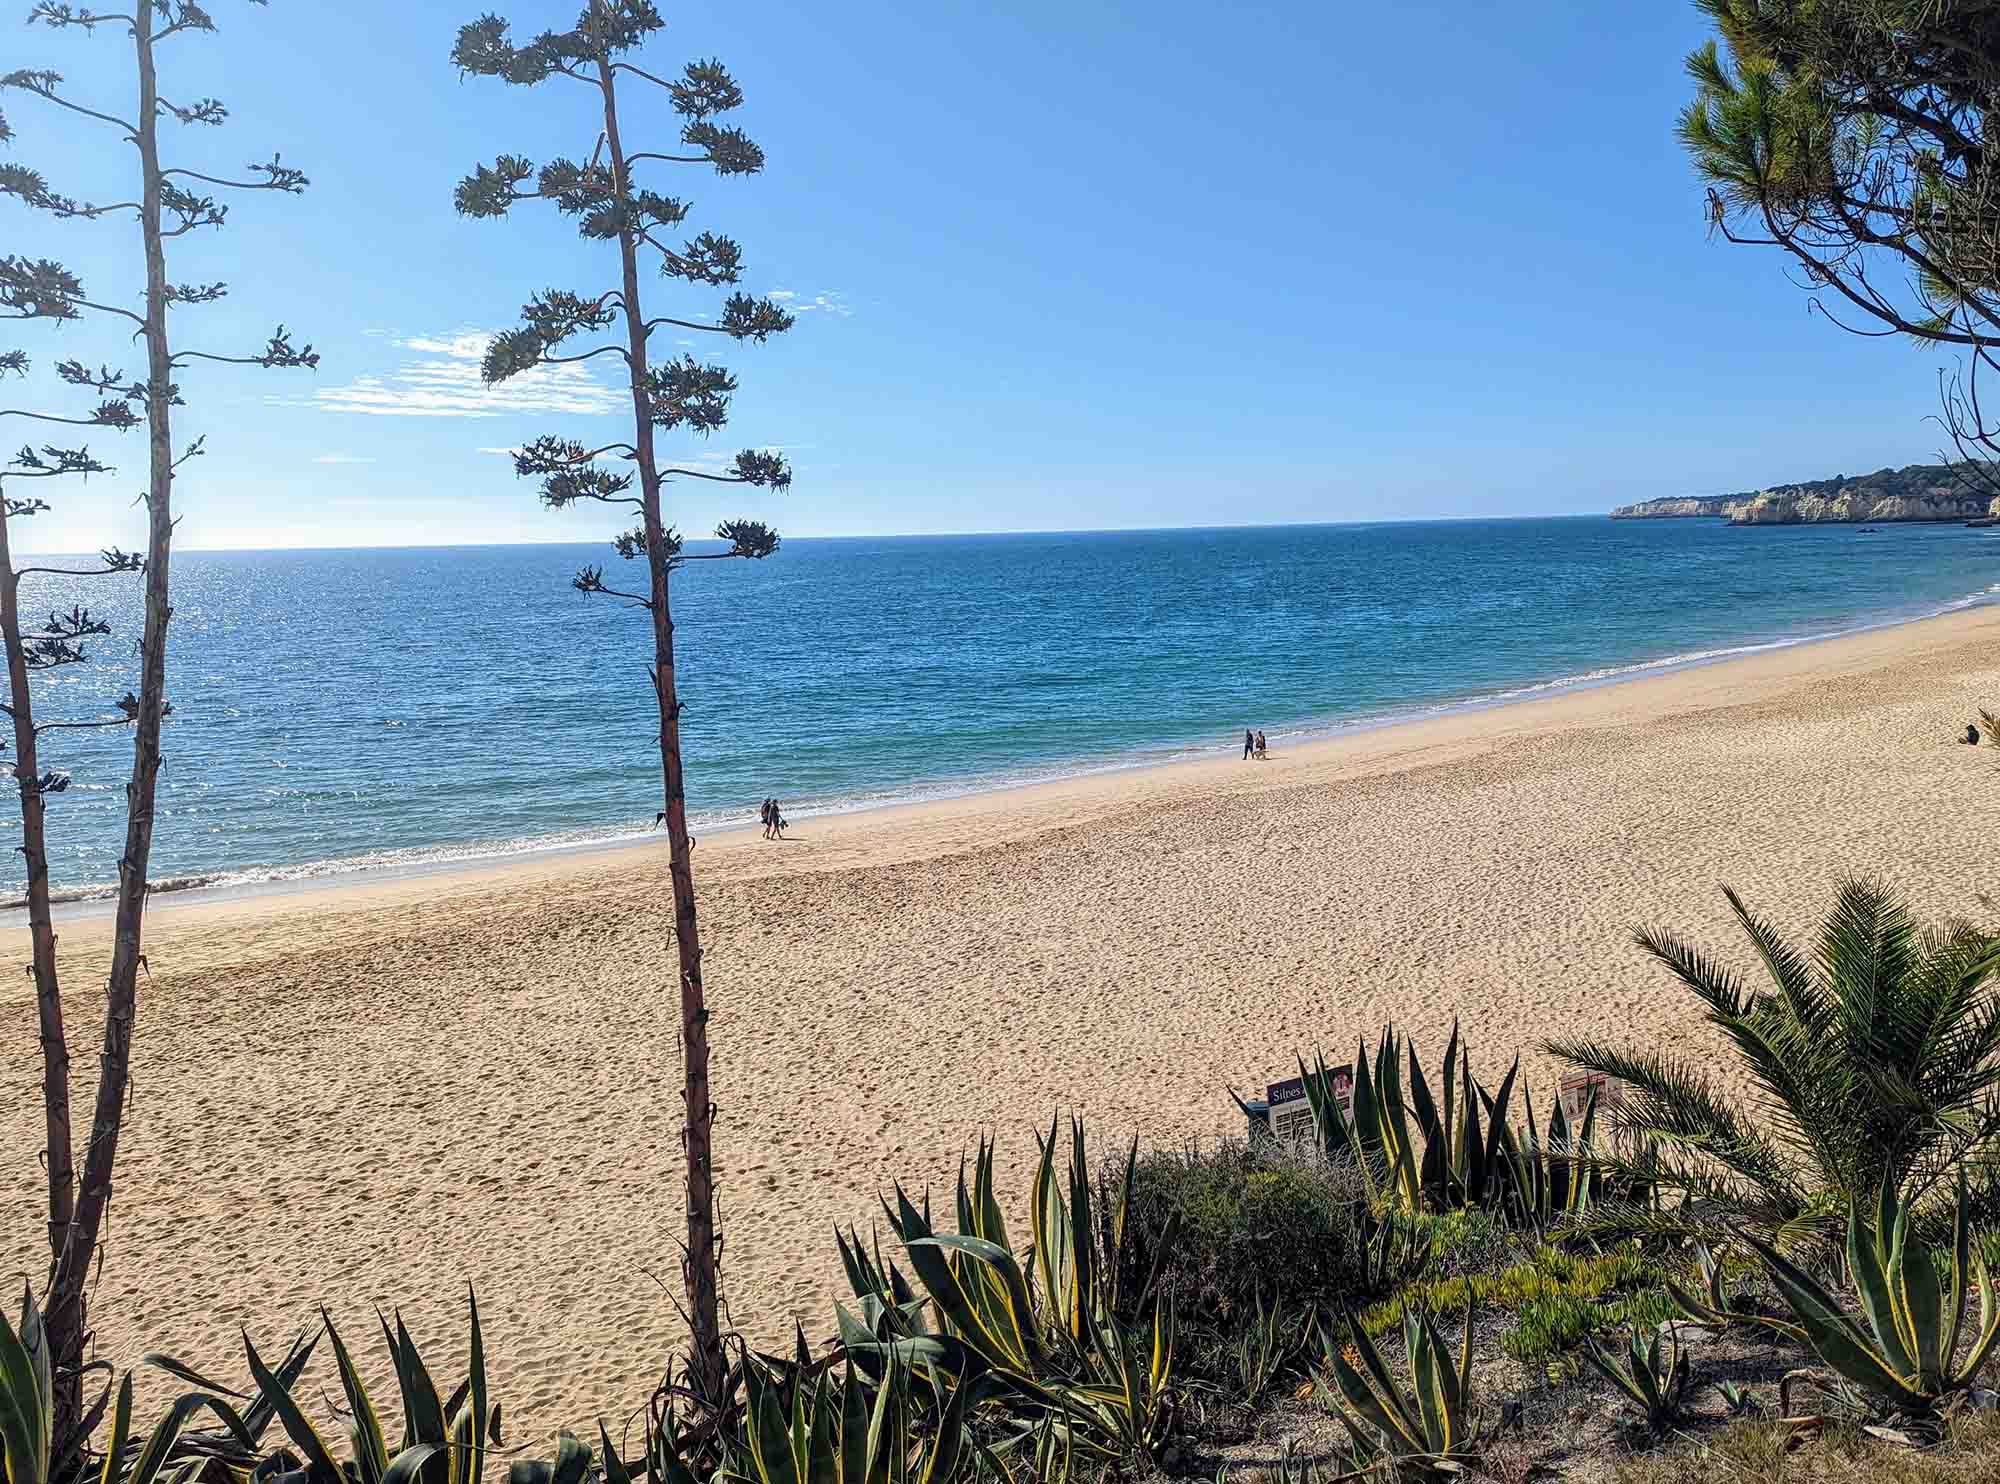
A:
[1612, 1097]
[1289, 1114]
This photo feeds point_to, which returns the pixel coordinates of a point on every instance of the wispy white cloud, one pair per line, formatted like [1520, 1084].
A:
[341, 458]
[439, 377]
[832, 301]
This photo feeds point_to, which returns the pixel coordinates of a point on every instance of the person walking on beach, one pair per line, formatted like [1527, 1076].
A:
[777, 819]
[1249, 742]
[1262, 756]
[764, 815]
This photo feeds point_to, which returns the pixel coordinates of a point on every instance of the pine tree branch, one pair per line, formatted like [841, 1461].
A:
[74, 571]
[82, 726]
[278, 353]
[193, 18]
[205, 111]
[682, 324]
[137, 319]
[122, 419]
[57, 16]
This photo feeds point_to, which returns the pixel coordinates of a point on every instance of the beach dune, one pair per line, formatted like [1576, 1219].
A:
[380, 1092]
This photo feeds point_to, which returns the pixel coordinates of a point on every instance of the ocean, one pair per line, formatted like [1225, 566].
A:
[338, 710]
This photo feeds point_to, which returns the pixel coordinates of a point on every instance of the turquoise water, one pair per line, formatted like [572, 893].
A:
[343, 708]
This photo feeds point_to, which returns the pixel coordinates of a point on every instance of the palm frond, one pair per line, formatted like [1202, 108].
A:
[1788, 967]
[1669, 1101]
[1700, 973]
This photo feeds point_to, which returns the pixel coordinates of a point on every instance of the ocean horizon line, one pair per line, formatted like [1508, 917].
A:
[181, 549]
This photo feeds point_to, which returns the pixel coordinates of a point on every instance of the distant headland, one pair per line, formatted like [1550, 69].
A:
[1934, 492]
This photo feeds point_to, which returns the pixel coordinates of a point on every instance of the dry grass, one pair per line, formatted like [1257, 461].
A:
[1761, 1452]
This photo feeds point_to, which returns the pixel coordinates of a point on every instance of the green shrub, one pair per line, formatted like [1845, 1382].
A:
[1253, 1223]
[1465, 1240]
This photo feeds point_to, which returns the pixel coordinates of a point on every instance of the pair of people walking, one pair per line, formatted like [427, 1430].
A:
[774, 820]
[1254, 745]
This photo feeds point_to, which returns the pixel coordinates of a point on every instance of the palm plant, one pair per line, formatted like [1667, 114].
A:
[1875, 1055]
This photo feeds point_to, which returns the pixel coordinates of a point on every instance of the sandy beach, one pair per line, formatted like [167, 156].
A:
[377, 1093]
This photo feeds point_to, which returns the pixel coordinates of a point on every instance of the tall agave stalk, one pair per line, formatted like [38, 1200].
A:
[604, 190]
[166, 201]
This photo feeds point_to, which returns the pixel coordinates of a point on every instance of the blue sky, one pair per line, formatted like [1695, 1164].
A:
[1086, 265]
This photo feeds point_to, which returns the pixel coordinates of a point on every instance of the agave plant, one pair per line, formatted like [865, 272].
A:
[1711, 1303]
[1427, 1431]
[1875, 1056]
[27, 1416]
[1393, 1247]
[1908, 1356]
[1265, 1344]
[27, 1396]
[1739, 1402]
[1055, 1359]
[1448, 1159]
[443, 1441]
[1654, 1382]
[1552, 1178]
[831, 1432]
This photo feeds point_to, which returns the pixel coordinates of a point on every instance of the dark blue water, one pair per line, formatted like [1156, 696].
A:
[361, 706]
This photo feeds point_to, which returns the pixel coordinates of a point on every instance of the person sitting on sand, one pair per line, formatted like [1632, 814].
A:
[1262, 755]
